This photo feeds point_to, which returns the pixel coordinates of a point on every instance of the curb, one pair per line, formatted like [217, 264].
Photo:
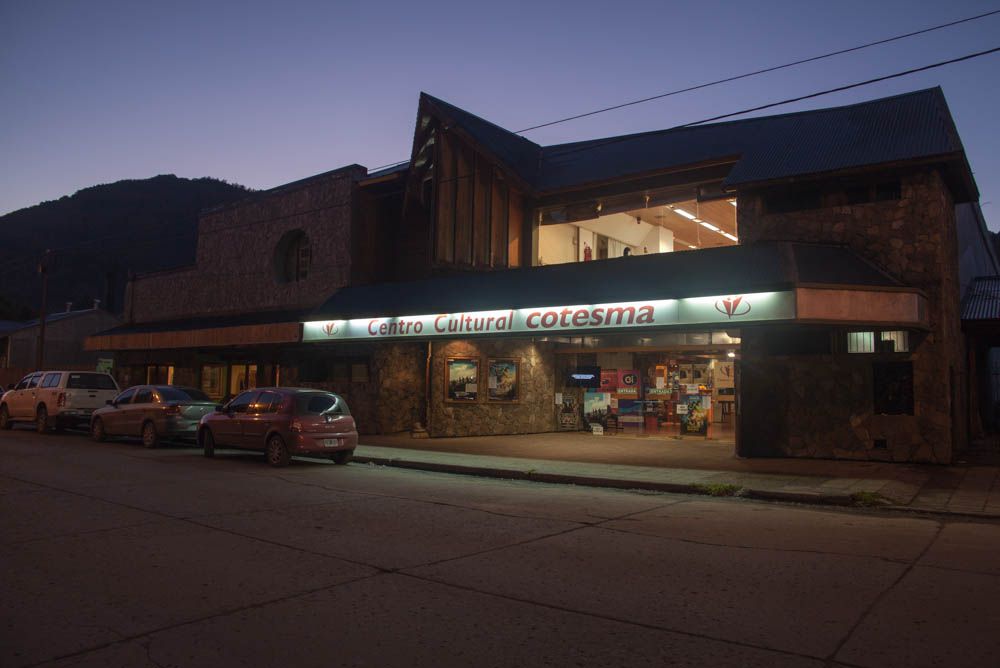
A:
[613, 483]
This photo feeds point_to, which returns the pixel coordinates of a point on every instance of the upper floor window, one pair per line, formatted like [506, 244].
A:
[292, 257]
[640, 223]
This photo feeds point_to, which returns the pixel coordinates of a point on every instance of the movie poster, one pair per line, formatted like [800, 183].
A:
[503, 377]
[694, 413]
[461, 379]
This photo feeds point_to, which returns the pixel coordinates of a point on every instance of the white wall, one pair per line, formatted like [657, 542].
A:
[557, 244]
[659, 240]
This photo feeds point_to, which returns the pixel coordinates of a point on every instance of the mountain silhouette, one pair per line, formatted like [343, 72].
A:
[97, 236]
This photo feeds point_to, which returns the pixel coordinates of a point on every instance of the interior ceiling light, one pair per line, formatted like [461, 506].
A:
[733, 202]
[682, 212]
[729, 236]
[731, 354]
[709, 226]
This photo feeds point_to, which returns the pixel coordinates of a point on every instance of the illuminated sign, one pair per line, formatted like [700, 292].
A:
[582, 319]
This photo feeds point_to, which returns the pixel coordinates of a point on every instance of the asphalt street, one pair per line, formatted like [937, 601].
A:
[114, 555]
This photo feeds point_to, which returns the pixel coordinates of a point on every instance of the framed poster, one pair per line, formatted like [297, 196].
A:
[461, 379]
[503, 380]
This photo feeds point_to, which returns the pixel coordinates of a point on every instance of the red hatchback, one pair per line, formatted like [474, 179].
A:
[281, 422]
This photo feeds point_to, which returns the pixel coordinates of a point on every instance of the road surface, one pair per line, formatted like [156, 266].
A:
[114, 555]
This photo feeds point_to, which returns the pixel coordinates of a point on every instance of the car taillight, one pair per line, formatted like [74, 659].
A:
[61, 400]
[172, 410]
[296, 425]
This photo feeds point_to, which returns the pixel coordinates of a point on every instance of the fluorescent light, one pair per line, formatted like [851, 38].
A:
[731, 354]
[709, 226]
[689, 216]
[729, 236]
[733, 202]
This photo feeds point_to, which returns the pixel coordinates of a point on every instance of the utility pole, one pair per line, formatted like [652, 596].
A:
[43, 269]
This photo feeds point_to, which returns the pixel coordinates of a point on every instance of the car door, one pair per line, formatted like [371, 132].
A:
[15, 397]
[258, 419]
[24, 403]
[137, 411]
[114, 418]
[227, 428]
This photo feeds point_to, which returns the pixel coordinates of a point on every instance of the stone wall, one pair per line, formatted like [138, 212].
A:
[401, 372]
[913, 239]
[235, 266]
[534, 413]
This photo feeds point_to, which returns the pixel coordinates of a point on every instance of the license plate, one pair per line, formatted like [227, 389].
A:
[331, 442]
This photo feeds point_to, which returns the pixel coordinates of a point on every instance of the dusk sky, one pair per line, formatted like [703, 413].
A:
[266, 93]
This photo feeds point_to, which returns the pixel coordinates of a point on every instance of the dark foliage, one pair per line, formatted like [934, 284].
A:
[99, 235]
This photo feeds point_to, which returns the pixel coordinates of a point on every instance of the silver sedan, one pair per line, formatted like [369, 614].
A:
[152, 412]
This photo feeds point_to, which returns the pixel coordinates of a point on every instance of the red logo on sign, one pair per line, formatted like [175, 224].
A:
[330, 328]
[732, 306]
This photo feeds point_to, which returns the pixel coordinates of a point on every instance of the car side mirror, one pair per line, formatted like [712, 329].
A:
[110, 402]
[219, 408]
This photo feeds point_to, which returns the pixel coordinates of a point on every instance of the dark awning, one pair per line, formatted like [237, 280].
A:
[762, 267]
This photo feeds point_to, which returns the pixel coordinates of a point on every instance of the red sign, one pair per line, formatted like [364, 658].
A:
[733, 306]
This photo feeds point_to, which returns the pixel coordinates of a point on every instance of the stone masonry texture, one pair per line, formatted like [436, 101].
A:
[821, 406]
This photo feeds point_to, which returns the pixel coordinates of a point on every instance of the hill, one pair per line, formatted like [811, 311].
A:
[99, 235]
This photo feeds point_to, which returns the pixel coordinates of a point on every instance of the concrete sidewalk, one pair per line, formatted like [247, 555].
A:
[960, 489]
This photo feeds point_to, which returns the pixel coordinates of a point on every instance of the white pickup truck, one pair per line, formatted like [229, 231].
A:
[56, 399]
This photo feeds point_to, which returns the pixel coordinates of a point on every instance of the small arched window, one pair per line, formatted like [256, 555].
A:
[292, 257]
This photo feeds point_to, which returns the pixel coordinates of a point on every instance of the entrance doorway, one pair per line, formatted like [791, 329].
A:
[670, 393]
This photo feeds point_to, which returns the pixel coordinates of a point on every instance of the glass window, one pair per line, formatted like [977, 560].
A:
[242, 377]
[143, 396]
[316, 403]
[33, 380]
[861, 342]
[23, 383]
[125, 396]
[51, 379]
[267, 402]
[212, 380]
[160, 373]
[897, 341]
[241, 403]
[90, 381]
[181, 394]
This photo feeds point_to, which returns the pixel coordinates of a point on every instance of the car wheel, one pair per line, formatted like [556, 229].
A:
[208, 442]
[150, 438]
[277, 452]
[342, 457]
[97, 430]
[5, 421]
[42, 419]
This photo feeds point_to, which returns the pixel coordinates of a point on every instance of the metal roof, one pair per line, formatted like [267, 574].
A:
[208, 322]
[982, 301]
[762, 267]
[903, 127]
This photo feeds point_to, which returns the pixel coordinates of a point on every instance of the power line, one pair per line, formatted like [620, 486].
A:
[739, 77]
[838, 89]
[758, 72]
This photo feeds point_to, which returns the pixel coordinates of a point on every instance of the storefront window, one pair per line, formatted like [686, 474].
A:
[213, 380]
[242, 377]
[159, 374]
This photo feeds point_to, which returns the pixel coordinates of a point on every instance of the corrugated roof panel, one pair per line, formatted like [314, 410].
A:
[982, 302]
[903, 127]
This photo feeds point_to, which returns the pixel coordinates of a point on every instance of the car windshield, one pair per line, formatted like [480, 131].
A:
[319, 403]
[182, 394]
[90, 381]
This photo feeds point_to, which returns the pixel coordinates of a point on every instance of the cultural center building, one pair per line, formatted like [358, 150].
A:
[788, 285]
